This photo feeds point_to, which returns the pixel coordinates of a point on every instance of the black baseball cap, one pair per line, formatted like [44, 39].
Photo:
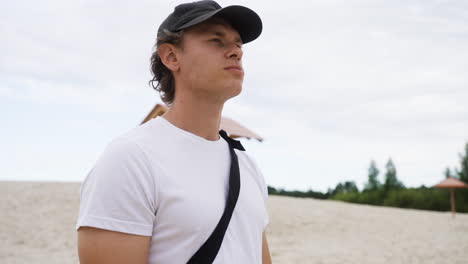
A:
[247, 23]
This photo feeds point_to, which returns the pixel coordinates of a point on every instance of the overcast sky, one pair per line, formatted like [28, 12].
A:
[329, 84]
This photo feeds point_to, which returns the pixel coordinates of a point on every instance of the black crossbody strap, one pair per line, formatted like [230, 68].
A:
[208, 251]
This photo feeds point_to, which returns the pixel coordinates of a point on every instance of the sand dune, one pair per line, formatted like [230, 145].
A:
[37, 225]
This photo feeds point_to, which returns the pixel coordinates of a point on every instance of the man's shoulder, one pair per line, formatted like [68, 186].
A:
[137, 140]
[132, 152]
[144, 134]
[247, 159]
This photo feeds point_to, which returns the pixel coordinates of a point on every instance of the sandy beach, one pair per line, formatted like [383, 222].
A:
[37, 225]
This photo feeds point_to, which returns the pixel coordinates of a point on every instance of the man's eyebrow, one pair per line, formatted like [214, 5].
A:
[221, 34]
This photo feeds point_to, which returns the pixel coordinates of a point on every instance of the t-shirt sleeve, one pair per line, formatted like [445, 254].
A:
[118, 193]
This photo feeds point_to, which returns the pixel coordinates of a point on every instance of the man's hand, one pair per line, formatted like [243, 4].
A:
[99, 246]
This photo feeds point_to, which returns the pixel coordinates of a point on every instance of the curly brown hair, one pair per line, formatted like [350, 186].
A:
[162, 80]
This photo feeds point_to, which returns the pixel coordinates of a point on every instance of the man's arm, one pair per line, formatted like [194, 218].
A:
[99, 246]
[266, 258]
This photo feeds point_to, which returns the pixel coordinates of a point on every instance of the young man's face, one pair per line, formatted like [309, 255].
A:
[211, 60]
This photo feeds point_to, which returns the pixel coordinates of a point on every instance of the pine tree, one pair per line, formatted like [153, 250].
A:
[372, 182]
[345, 187]
[463, 172]
[350, 186]
[448, 173]
[391, 180]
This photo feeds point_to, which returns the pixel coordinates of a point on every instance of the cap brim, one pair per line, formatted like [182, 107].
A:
[244, 20]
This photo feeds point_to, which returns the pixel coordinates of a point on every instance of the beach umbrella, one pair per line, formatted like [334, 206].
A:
[233, 128]
[451, 183]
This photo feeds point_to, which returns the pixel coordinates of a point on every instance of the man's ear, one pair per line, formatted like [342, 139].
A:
[169, 56]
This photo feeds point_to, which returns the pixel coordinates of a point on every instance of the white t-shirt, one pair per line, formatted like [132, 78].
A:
[161, 181]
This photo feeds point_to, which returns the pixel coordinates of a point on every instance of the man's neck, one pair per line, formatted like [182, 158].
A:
[198, 117]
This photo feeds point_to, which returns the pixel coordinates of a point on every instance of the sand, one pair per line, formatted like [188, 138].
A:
[37, 225]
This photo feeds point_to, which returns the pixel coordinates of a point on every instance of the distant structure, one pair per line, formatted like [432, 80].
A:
[451, 183]
[233, 128]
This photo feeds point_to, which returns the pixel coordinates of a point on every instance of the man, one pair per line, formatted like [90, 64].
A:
[158, 191]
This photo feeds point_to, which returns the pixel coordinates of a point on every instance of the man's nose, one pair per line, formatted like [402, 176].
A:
[234, 51]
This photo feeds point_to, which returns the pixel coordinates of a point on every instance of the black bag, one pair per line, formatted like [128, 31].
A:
[208, 251]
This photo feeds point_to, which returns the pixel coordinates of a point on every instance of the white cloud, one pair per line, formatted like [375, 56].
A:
[329, 84]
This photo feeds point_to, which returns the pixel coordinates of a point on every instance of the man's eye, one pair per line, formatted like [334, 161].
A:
[217, 41]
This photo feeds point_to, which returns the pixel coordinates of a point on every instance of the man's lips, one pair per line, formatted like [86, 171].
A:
[235, 68]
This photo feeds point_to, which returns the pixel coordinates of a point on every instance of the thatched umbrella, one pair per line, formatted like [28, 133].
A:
[451, 183]
[233, 128]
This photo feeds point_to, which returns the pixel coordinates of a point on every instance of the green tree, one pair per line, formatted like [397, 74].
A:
[372, 182]
[391, 180]
[463, 172]
[448, 173]
[345, 187]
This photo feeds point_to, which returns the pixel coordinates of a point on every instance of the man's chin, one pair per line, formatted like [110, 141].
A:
[233, 92]
[236, 90]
